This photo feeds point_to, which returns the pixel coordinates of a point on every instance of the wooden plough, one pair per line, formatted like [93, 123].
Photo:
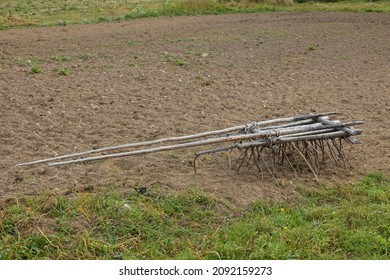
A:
[310, 139]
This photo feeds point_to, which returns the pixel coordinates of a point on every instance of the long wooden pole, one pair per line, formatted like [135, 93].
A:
[179, 138]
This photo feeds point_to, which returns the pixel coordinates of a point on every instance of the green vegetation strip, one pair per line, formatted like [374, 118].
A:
[14, 13]
[350, 221]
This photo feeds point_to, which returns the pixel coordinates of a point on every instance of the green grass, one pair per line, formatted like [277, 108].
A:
[59, 58]
[349, 221]
[35, 70]
[175, 61]
[62, 71]
[14, 13]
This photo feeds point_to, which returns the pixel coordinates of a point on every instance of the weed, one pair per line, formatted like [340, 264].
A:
[168, 58]
[175, 61]
[132, 64]
[132, 43]
[85, 56]
[193, 53]
[204, 81]
[207, 83]
[35, 70]
[179, 62]
[23, 62]
[60, 58]
[312, 48]
[27, 61]
[63, 71]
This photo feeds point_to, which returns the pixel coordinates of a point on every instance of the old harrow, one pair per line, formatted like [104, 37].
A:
[307, 140]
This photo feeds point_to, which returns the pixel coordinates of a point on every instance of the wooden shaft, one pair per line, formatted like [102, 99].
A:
[312, 132]
[309, 121]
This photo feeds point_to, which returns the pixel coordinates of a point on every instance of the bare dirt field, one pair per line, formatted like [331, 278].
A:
[114, 83]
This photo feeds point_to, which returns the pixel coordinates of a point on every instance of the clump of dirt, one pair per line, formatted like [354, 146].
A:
[113, 83]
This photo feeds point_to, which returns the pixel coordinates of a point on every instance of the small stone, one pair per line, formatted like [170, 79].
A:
[125, 207]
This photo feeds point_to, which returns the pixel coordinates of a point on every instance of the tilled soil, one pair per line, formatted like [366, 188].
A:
[114, 83]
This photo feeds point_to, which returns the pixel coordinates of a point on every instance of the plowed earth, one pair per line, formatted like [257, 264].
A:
[113, 83]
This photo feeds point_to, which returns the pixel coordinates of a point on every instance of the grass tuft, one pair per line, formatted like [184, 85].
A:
[62, 71]
[61, 58]
[35, 70]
